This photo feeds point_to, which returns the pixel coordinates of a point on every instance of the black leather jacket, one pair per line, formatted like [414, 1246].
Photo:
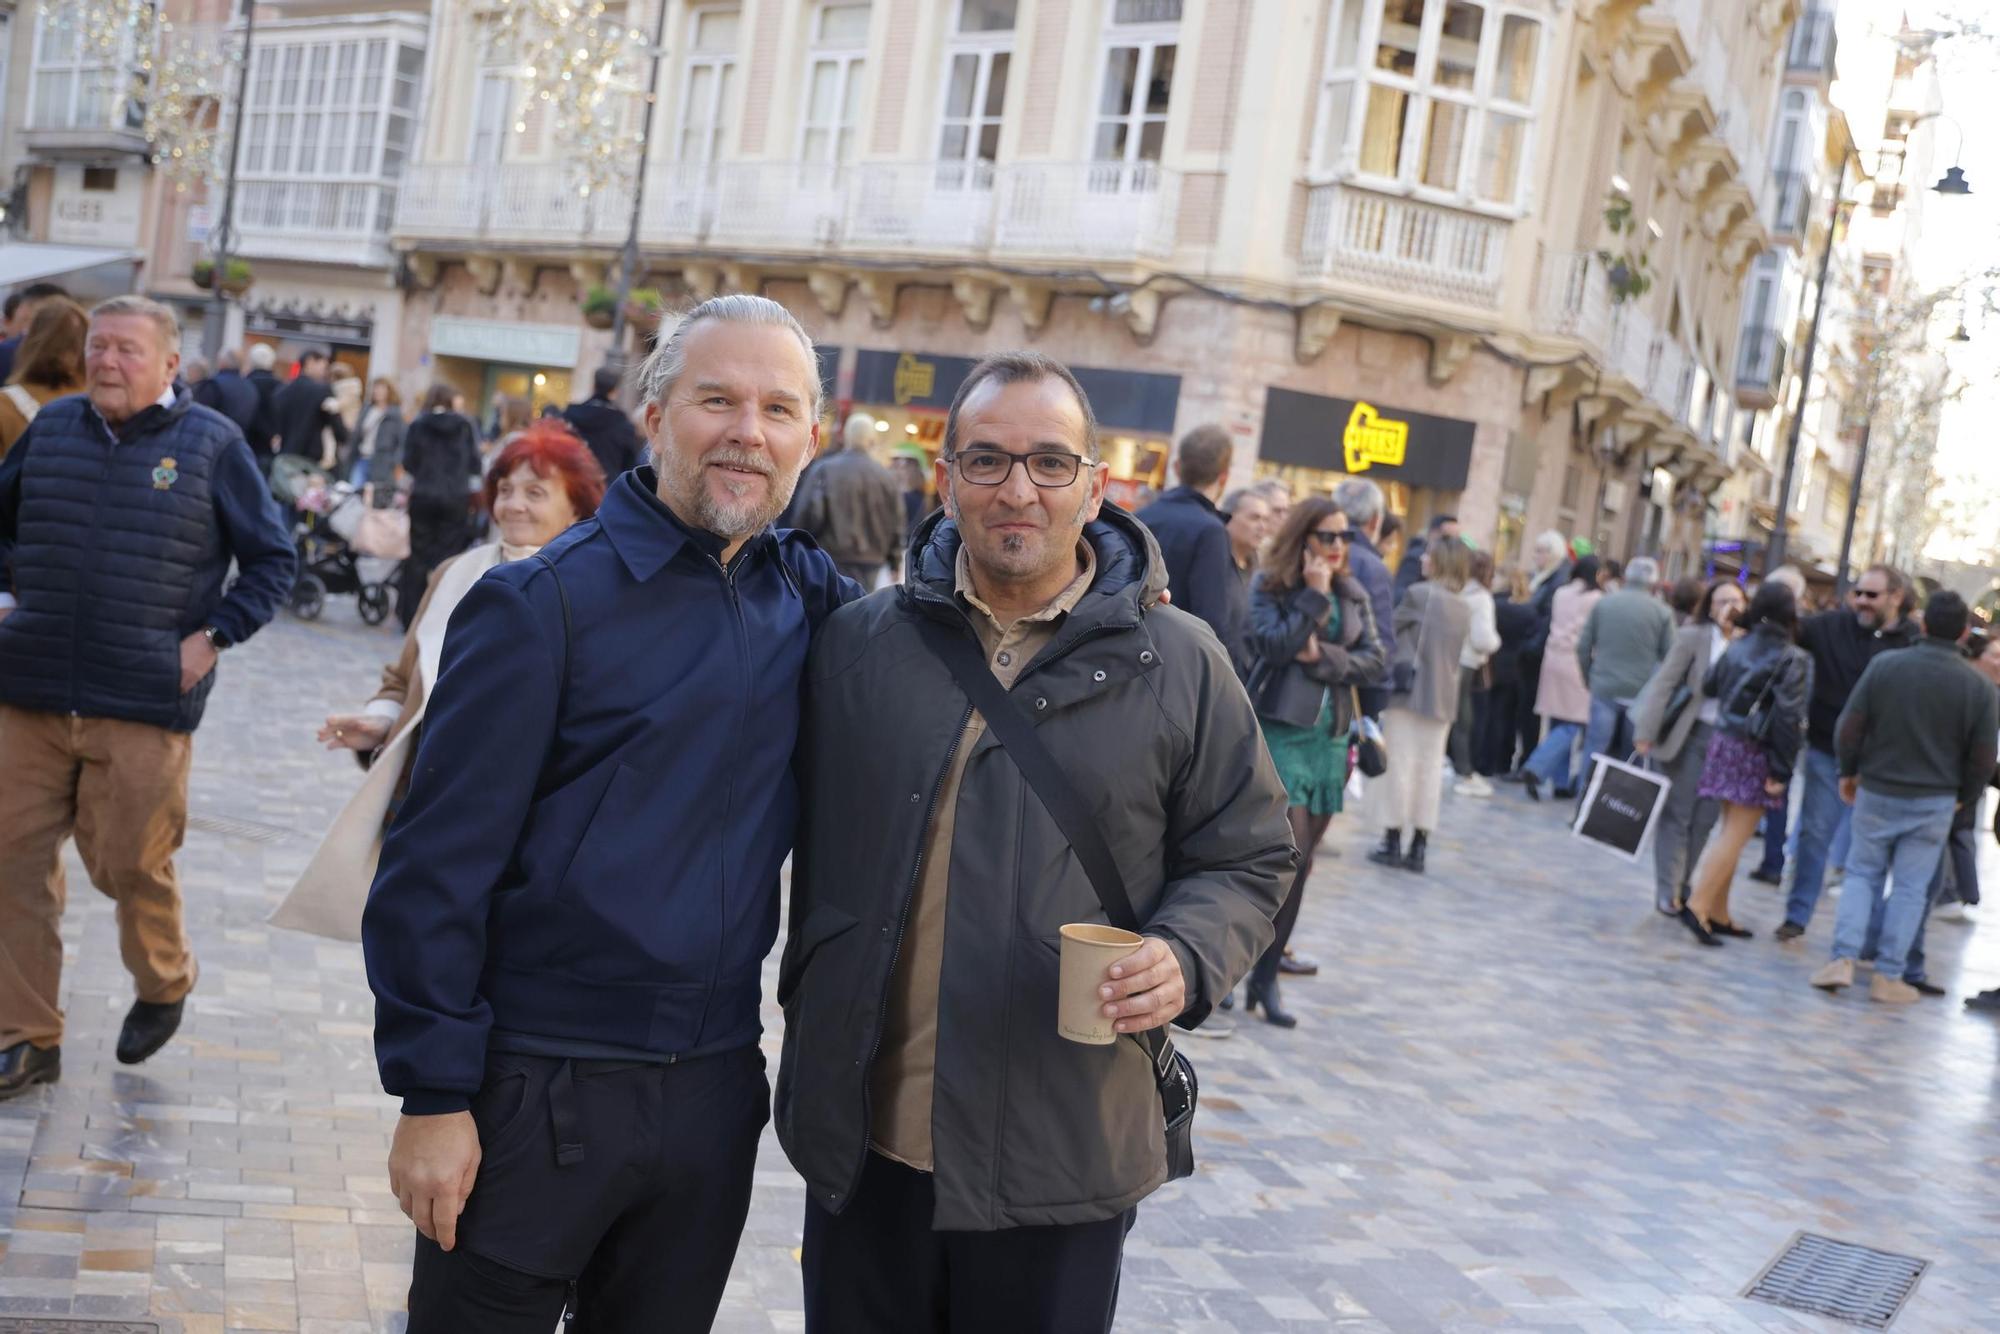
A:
[1764, 660]
[1287, 691]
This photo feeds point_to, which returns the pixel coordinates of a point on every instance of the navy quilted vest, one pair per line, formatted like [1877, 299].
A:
[111, 563]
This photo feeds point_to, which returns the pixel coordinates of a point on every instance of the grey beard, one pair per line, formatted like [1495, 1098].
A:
[724, 519]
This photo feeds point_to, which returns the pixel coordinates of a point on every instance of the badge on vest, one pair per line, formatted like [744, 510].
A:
[165, 475]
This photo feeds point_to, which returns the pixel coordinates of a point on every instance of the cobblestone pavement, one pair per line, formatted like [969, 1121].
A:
[1517, 1100]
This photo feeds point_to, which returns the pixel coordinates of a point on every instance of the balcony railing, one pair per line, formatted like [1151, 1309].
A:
[1791, 197]
[1813, 44]
[1401, 245]
[344, 221]
[1104, 211]
[1574, 300]
[1760, 367]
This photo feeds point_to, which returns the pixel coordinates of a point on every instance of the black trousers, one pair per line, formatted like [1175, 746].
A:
[613, 1189]
[879, 1267]
[439, 530]
[1496, 729]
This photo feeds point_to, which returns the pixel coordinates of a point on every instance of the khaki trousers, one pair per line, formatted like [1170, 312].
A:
[121, 788]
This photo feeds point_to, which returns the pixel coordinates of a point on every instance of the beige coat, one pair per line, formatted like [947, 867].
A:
[330, 894]
[1563, 696]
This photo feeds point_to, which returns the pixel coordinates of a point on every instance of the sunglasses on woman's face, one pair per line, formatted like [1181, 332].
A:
[1327, 539]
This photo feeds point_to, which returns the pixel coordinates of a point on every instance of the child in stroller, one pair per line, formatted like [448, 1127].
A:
[344, 545]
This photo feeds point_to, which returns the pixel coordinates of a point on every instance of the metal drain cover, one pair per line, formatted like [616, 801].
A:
[231, 827]
[1821, 1276]
[57, 1325]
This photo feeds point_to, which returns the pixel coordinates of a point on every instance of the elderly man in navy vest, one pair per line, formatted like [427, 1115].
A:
[567, 929]
[120, 512]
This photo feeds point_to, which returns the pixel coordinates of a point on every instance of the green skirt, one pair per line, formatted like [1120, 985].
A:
[1312, 761]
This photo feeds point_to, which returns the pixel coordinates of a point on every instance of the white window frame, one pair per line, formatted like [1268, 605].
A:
[713, 124]
[1330, 163]
[1148, 38]
[852, 61]
[78, 67]
[984, 48]
[493, 94]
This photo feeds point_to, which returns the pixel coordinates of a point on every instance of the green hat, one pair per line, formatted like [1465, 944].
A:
[1581, 547]
[912, 452]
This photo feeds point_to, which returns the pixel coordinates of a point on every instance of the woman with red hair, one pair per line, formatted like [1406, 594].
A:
[541, 482]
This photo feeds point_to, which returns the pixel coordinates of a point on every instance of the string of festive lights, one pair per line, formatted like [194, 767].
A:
[578, 64]
[185, 91]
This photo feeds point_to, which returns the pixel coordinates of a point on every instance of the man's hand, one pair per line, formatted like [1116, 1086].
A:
[1773, 788]
[1146, 989]
[432, 1162]
[1642, 748]
[353, 731]
[1850, 788]
[197, 660]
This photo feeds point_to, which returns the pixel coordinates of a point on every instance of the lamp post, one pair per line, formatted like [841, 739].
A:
[628, 257]
[225, 229]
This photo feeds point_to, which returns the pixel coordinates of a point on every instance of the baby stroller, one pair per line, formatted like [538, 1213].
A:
[344, 546]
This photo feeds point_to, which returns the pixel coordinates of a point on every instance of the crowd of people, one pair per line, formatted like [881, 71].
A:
[564, 871]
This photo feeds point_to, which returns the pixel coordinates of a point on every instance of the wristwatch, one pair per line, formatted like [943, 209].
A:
[216, 639]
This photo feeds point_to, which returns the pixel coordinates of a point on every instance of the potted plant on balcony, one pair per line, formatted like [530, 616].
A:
[203, 273]
[643, 309]
[1629, 271]
[600, 305]
[235, 278]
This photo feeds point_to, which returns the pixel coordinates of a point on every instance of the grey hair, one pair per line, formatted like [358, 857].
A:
[1360, 500]
[1238, 496]
[1270, 486]
[669, 358]
[859, 430]
[1642, 572]
[1551, 540]
[161, 316]
[1791, 576]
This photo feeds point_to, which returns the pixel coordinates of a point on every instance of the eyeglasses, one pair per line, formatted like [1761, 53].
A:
[1329, 539]
[990, 467]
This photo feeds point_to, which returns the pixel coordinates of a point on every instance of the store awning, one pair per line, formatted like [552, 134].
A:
[29, 261]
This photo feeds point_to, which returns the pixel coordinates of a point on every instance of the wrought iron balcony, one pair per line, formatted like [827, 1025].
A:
[1760, 367]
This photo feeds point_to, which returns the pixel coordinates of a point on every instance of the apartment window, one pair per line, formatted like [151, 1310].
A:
[833, 83]
[73, 89]
[1138, 81]
[975, 94]
[490, 106]
[1433, 94]
[706, 84]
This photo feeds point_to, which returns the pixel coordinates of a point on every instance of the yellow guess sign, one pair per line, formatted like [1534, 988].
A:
[1370, 439]
[914, 379]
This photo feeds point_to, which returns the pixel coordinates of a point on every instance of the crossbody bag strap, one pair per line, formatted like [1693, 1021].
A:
[1017, 733]
[562, 595]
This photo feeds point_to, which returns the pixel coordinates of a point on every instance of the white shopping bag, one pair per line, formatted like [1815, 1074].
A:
[1621, 806]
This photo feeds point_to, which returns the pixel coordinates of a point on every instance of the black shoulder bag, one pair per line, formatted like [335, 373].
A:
[1016, 731]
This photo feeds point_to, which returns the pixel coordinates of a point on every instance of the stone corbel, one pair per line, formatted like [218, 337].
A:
[742, 278]
[1033, 299]
[1142, 317]
[1629, 65]
[588, 273]
[1594, 411]
[879, 291]
[829, 289]
[702, 280]
[1627, 437]
[1317, 325]
[424, 270]
[1448, 353]
[485, 271]
[975, 300]
[1542, 381]
[520, 273]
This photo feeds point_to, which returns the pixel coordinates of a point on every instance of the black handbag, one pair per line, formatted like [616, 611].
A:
[1172, 1072]
[1677, 704]
[1369, 755]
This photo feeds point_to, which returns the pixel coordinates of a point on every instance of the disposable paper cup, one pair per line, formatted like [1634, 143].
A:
[1088, 951]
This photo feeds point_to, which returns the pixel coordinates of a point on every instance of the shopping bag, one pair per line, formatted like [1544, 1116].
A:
[1621, 806]
[383, 533]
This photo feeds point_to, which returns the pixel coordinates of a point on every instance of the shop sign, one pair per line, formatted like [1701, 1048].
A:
[1127, 400]
[360, 333]
[1366, 439]
[82, 214]
[504, 341]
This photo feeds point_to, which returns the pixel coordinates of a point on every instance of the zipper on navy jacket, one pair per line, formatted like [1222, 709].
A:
[76, 616]
[728, 573]
[896, 950]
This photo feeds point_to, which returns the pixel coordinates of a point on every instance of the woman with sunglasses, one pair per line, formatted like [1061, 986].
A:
[1312, 638]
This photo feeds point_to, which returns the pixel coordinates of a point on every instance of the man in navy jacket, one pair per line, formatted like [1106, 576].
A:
[120, 512]
[575, 900]
[1194, 539]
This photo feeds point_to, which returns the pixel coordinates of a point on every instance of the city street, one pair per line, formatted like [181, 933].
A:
[1518, 1099]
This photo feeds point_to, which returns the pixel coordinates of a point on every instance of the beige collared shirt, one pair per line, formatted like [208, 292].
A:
[900, 1084]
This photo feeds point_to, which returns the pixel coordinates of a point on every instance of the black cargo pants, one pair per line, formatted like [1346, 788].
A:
[614, 1189]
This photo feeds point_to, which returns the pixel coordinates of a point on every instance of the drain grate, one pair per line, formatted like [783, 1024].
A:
[1821, 1276]
[56, 1325]
[230, 827]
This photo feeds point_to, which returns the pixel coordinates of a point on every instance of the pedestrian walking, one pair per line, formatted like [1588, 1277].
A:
[305, 412]
[1251, 526]
[1774, 831]
[566, 931]
[1442, 527]
[50, 365]
[1760, 685]
[1482, 641]
[1673, 720]
[967, 1167]
[911, 467]
[1362, 502]
[1496, 734]
[1193, 534]
[1987, 663]
[379, 444]
[604, 424]
[232, 395]
[1433, 623]
[121, 510]
[541, 484]
[1562, 698]
[1915, 742]
[1313, 644]
[1625, 639]
[25, 304]
[1552, 571]
[1277, 495]
[263, 431]
[853, 507]
[1842, 642]
[441, 459]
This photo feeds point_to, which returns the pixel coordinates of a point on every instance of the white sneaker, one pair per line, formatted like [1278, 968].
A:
[1951, 912]
[1473, 786]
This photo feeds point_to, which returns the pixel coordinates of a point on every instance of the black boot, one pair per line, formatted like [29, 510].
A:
[1263, 991]
[1415, 861]
[1391, 851]
[24, 1065]
[147, 1027]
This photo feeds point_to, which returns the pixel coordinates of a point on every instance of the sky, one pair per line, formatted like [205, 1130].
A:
[1962, 234]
